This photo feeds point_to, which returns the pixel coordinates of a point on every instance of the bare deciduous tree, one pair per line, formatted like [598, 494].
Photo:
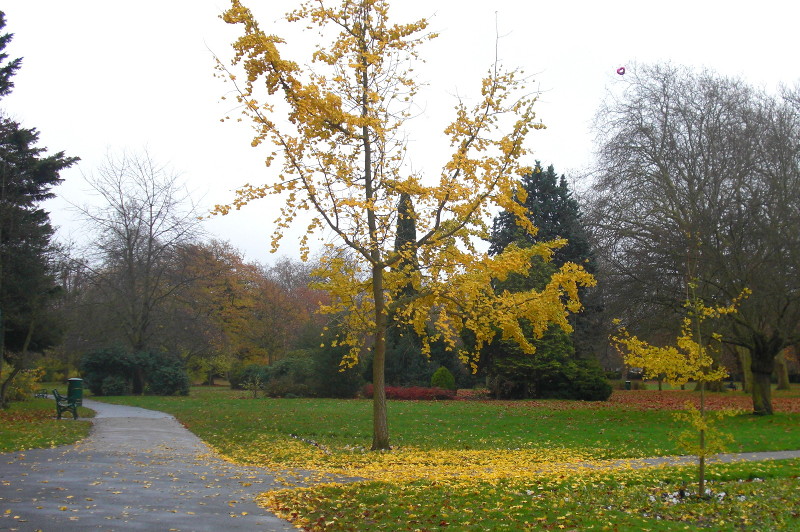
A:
[143, 215]
[697, 186]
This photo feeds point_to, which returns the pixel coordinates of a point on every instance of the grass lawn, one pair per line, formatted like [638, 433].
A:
[32, 424]
[474, 465]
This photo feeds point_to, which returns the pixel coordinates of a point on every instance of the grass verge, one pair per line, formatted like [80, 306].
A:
[32, 424]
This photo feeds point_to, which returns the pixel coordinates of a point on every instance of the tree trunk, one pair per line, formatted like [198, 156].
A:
[782, 371]
[138, 381]
[762, 393]
[701, 481]
[744, 363]
[6, 385]
[15, 368]
[762, 364]
[380, 425]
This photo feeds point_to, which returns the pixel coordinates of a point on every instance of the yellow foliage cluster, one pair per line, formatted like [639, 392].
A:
[344, 161]
[714, 441]
[691, 359]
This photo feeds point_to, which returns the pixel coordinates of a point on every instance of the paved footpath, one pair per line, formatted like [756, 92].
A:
[138, 470]
[640, 463]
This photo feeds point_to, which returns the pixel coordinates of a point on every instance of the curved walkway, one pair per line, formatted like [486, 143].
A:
[138, 470]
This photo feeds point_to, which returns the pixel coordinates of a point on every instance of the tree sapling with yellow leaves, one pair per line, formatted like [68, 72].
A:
[690, 360]
[337, 126]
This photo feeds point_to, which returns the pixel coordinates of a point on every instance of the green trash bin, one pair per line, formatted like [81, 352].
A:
[75, 390]
[627, 385]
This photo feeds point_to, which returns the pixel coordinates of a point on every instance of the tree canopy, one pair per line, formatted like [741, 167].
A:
[337, 125]
[552, 208]
[558, 370]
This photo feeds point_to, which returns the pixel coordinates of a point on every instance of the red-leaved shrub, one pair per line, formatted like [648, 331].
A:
[412, 393]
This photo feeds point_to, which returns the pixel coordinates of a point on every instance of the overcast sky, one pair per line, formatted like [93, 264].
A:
[102, 75]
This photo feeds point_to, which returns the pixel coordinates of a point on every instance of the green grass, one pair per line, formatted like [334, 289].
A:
[227, 419]
[32, 424]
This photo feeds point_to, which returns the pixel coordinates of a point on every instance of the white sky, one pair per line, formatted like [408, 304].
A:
[103, 75]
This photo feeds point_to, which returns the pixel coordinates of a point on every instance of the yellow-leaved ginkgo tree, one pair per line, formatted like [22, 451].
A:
[691, 359]
[336, 126]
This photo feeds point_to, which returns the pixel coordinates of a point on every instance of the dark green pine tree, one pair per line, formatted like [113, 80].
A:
[564, 366]
[555, 212]
[27, 176]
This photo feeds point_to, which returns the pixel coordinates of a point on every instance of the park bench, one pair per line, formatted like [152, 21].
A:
[42, 394]
[65, 404]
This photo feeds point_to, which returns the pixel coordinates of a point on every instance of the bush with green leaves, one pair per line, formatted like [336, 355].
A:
[96, 366]
[115, 371]
[407, 366]
[330, 378]
[588, 382]
[442, 378]
[24, 384]
[55, 370]
[553, 372]
[313, 372]
[168, 378]
[115, 385]
[243, 375]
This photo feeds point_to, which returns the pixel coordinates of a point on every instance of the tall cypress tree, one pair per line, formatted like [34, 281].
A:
[405, 240]
[405, 363]
[27, 176]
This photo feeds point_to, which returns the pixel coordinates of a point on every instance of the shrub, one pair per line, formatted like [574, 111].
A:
[411, 393]
[54, 370]
[114, 371]
[330, 379]
[442, 378]
[553, 372]
[95, 366]
[25, 383]
[589, 382]
[291, 376]
[286, 386]
[472, 393]
[313, 372]
[242, 376]
[169, 379]
[114, 385]
[298, 365]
